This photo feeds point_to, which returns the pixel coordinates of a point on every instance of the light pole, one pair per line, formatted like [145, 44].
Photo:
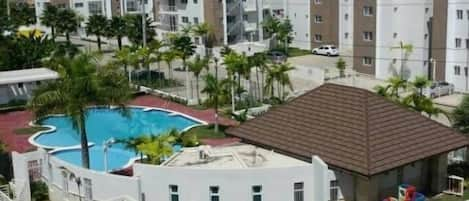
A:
[215, 59]
[106, 145]
[144, 24]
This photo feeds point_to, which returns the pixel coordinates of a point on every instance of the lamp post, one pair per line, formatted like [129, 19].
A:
[106, 145]
[144, 24]
[215, 59]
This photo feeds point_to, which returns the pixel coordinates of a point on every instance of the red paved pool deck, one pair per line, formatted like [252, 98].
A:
[11, 121]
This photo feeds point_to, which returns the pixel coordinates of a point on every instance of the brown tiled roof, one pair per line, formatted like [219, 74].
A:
[350, 128]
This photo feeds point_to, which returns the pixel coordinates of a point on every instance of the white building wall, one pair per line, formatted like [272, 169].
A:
[299, 11]
[346, 14]
[457, 56]
[391, 31]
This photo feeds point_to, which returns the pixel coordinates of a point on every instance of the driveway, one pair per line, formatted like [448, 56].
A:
[319, 61]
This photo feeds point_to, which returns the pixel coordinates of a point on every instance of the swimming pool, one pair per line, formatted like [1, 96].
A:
[103, 124]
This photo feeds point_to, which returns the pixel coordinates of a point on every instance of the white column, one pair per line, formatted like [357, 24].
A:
[225, 24]
[260, 18]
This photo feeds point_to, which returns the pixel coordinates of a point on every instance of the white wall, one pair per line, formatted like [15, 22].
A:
[346, 26]
[457, 56]
[391, 15]
[15, 92]
[234, 184]
[299, 13]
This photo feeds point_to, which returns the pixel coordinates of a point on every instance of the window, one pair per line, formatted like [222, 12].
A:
[78, 5]
[185, 19]
[88, 189]
[334, 190]
[256, 193]
[318, 37]
[367, 61]
[318, 19]
[465, 71]
[467, 43]
[298, 194]
[214, 193]
[184, 1]
[395, 9]
[173, 193]
[20, 85]
[459, 14]
[95, 7]
[346, 16]
[196, 1]
[318, 2]
[346, 35]
[197, 40]
[132, 6]
[394, 35]
[427, 9]
[367, 11]
[457, 70]
[458, 42]
[367, 36]
[196, 20]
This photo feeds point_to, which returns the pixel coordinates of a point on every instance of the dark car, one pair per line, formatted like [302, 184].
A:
[277, 56]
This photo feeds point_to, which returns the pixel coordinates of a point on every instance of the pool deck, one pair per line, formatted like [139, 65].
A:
[11, 121]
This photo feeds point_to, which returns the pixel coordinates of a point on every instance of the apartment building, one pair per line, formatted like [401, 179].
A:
[233, 21]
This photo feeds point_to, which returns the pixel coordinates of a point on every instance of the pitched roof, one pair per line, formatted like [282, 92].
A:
[350, 128]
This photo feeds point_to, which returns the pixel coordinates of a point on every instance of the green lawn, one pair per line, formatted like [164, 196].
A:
[207, 132]
[29, 130]
[293, 51]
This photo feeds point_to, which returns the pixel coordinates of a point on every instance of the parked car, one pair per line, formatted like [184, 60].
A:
[328, 50]
[439, 88]
[277, 56]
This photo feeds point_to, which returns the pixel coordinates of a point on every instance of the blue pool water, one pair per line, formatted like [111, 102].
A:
[104, 123]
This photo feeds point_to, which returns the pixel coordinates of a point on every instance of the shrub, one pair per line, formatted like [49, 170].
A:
[459, 169]
[39, 191]
[190, 140]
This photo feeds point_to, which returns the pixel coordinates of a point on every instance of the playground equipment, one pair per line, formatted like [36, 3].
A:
[407, 193]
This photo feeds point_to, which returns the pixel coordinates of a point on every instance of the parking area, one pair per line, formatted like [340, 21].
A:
[319, 61]
[452, 100]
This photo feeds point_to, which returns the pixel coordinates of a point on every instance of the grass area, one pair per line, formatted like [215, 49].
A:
[445, 197]
[294, 52]
[207, 132]
[29, 130]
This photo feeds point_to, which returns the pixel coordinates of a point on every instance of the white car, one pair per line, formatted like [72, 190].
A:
[328, 50]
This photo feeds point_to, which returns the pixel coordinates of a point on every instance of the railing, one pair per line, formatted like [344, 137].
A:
[4, 193]
[21, 190]
[168, 8]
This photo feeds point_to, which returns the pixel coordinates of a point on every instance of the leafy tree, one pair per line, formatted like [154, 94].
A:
[406, 50]
[271, 25]
[50, 18]
[134, 29]
[168, 57]
[97, 25]
[278, 74]
[81, 84]
[125, 57]
[205, 32]
[218, 93]
[284, 33]
[236, 64]
[146, 58]
[132, 143]
[341, 65]
[196, 66]
[156, 148]
[22, 14]
[184, 46]
[460, 116]
[116, 29]
[155, 49]
[67, 22]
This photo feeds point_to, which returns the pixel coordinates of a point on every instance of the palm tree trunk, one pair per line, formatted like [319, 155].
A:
[197, 88]
[99, 42]
[52, 30]
[119, 42]
[216, 98]
[258, 90]
[67, 36]
[85, 154]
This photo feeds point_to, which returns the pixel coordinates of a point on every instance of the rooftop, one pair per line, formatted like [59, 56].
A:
[27, 75]
[235, 156]
[350, 128]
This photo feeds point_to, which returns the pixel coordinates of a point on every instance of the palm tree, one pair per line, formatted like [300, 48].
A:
[283, 78]
[203, 31]
[117, 28]
[271, 26]
[183, 45]
[97, 25]
[284, 33]
[146, 58]
[169, 56]
[155, 47]
[196, 66]
[271, 77]
[81, 84]
[460, 116]
[236, 64]
[259, 62]
[395, 84]
[218, 93]
[125, 57]
[67, 23]
[50, 18]
[132, 143]
[156, 148]
[134, 30]
[406, 50]
[419, 83]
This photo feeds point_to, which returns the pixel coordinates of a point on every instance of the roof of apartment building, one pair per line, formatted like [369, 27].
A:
[350, 128]
[27, 75]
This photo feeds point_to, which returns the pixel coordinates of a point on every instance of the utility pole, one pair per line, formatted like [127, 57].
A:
[144, 24]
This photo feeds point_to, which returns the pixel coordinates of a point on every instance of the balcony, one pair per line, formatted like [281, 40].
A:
[168, 9]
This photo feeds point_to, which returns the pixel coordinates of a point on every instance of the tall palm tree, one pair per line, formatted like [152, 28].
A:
[419, 83]
[50, 18]
[156, 148]
[155, 49]
[67, 23]
[125, 58]
[236, 64]
[271, 26]
[259, 61]
[168, 57]
[134, 30]
[218, 93]
[283, 78]
[132, 143]
[81, 84]
[203, 31]
[97, 25]
[406, 50]
[117, 28]
[146, 58]
[183, 45]
[196, 66]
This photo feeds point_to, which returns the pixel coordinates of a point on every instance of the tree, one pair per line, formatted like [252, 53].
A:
[205, 32]
[183, 45]
[341, 65]
[406, 50]
[196, 66]
[236, 64]
[97, 25]
[134, 30]
[67, 22]
[284, 33]
[117, 28]
[22, 14]
[283, 78]
[218, 93]
[156, 148]
[169, 56]
[271, 26]
[460, 116]
[50, 18]
[146, 58]
[81, 84]
[155, 49]
[132, 143]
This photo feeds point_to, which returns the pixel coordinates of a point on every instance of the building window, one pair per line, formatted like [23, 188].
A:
[458, 42]
[367, 61]
[173, 193]
[318, 37]
[457, 70]
[346, 16]
[427, 9]
[88, 189]
[367, 36]
[298, 191]
[256, 193]
[459, 14]
[185, 19]
[196, 20]
[20, 85]
[317, 2]
[214, 193]
[334, 190]
[318, 19]
[196, 1]
[346, 35]
[78, 5]
[95, 8]
[367, 11]
[394, 35]
[184, 1]
[132, 6]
